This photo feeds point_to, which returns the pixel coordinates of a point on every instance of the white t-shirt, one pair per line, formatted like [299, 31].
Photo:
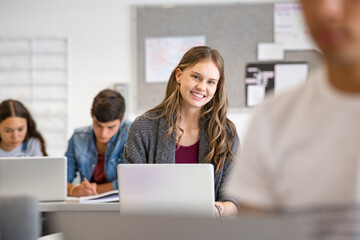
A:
[33, 149]
[302, 149]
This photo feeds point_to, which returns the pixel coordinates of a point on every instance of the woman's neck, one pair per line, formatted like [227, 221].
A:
[189, 123]
[189, 118]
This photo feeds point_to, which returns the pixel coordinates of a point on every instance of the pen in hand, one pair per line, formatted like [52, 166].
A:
[90, 188]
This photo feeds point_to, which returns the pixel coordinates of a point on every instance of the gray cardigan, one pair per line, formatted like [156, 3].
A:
[145, 144]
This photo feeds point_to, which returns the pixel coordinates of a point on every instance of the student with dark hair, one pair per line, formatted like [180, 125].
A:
[96, 150]
[190, 125]
[18, 133]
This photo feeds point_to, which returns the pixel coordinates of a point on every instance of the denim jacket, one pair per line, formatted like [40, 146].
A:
[82, 155]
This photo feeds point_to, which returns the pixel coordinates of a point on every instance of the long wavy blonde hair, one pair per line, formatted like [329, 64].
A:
[221, 131]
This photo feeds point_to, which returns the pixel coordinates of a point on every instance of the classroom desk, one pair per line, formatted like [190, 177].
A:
[51, 212]
[46, 207]
[97, 224]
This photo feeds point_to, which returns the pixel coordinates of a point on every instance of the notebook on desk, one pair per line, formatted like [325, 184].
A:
[42, 177]
[166, 189]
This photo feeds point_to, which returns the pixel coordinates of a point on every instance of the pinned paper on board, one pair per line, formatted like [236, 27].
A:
[270, 51]
[162, 54]
[263, 78]
[255, 94]
[289, 27]
[289, 75]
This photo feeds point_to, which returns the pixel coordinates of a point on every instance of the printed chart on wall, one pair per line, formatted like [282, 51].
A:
[262, 78]
[289, 28]
[162, 54]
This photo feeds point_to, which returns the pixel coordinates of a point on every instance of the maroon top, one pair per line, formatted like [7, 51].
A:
[187, 154]
[99, 176]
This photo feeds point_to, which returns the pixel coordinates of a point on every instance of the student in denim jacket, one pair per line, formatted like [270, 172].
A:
[96, 150]
[18, 133]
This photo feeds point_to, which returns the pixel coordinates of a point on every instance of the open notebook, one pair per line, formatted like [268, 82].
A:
[111, 196]
[167, 189]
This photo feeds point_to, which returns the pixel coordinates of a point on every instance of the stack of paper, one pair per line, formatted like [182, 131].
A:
[111, 196]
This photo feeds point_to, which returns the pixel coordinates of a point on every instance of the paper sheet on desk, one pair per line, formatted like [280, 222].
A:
[111, 196]
[55, 236]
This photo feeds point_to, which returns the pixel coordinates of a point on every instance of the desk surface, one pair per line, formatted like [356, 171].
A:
[69, 206]
[77, 225]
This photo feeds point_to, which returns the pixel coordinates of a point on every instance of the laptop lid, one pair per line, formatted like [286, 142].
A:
[42, 177]
[166, 189]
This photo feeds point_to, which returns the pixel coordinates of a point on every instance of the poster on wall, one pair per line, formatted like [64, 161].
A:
[289, 27]
[162, 54]
[263, 78]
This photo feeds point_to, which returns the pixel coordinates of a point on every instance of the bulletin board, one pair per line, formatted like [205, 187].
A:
[233, 29]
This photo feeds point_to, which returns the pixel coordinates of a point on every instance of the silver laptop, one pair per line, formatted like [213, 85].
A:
[166, 189]
[42, 177]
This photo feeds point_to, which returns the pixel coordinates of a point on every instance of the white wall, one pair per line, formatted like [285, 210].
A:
[101, 43]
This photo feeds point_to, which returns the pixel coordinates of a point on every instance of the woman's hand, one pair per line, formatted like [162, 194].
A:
[224, 209]
[219, 209]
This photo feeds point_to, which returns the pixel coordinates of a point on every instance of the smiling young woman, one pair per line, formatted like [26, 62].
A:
[190, 125]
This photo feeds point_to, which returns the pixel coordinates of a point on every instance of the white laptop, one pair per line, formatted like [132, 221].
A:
[42, 177]
[166, 189]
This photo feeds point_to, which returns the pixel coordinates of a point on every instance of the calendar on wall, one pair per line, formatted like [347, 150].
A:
[35, 71]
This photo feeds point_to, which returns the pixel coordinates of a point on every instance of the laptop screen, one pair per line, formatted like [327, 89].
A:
[41, 177]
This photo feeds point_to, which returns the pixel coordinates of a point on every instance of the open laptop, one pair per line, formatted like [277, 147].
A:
[166, 189]
[42, 177]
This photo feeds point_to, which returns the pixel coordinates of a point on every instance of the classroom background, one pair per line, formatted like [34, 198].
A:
[94, 42]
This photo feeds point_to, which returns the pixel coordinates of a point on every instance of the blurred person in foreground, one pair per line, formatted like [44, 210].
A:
[302, 149]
